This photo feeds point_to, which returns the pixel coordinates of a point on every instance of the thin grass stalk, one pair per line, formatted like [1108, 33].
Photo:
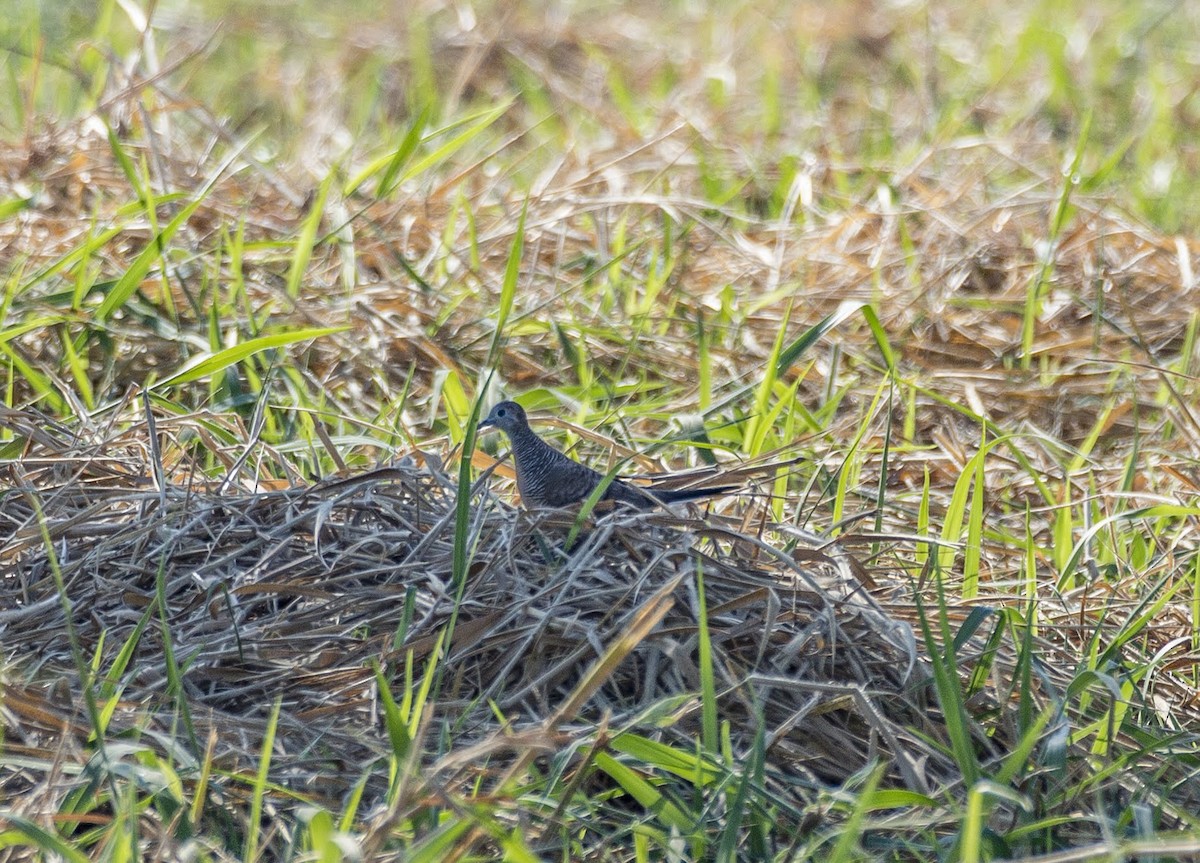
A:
[1046, 264]
[949, 691]
[259, 786]
[848, 845]
[708, 689]
[81, 665]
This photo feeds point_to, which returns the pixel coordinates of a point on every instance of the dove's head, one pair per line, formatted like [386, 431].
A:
[506, 416]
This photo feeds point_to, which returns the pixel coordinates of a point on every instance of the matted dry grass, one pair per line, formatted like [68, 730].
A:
[294, 595]
[291, 594]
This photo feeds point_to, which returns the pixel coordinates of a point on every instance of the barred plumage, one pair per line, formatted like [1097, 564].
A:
[547, 478]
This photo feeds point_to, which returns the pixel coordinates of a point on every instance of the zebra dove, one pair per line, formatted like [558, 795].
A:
[547, 478]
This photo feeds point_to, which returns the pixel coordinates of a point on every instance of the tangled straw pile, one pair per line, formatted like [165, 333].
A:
[293, 595]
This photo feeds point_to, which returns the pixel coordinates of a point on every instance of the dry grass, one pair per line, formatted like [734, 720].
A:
[267, 534]
[290, 595]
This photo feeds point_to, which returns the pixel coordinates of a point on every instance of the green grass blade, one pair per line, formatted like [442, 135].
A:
[973, 551]
[645, 793]
[11, 206]
[483, 120]
[120, 663]
[850, 834]
[307, 239]
[762, 394]
[389, 180]
[784, 358]
[49, 843]
[438, 845]
[259, 788]
[1062, 211]
[947, 686]
[708, 690]
[880, 335]
[740, 808]
[202, 367]
[155, 251]
[700, 770]
[393, 720]
[508, 288]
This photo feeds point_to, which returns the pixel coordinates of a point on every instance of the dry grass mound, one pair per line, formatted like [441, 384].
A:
[295, 594]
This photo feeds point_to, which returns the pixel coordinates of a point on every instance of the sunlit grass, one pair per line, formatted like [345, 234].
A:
[324, 237]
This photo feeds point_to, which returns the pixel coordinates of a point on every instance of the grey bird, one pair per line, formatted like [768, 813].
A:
[547, 478]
